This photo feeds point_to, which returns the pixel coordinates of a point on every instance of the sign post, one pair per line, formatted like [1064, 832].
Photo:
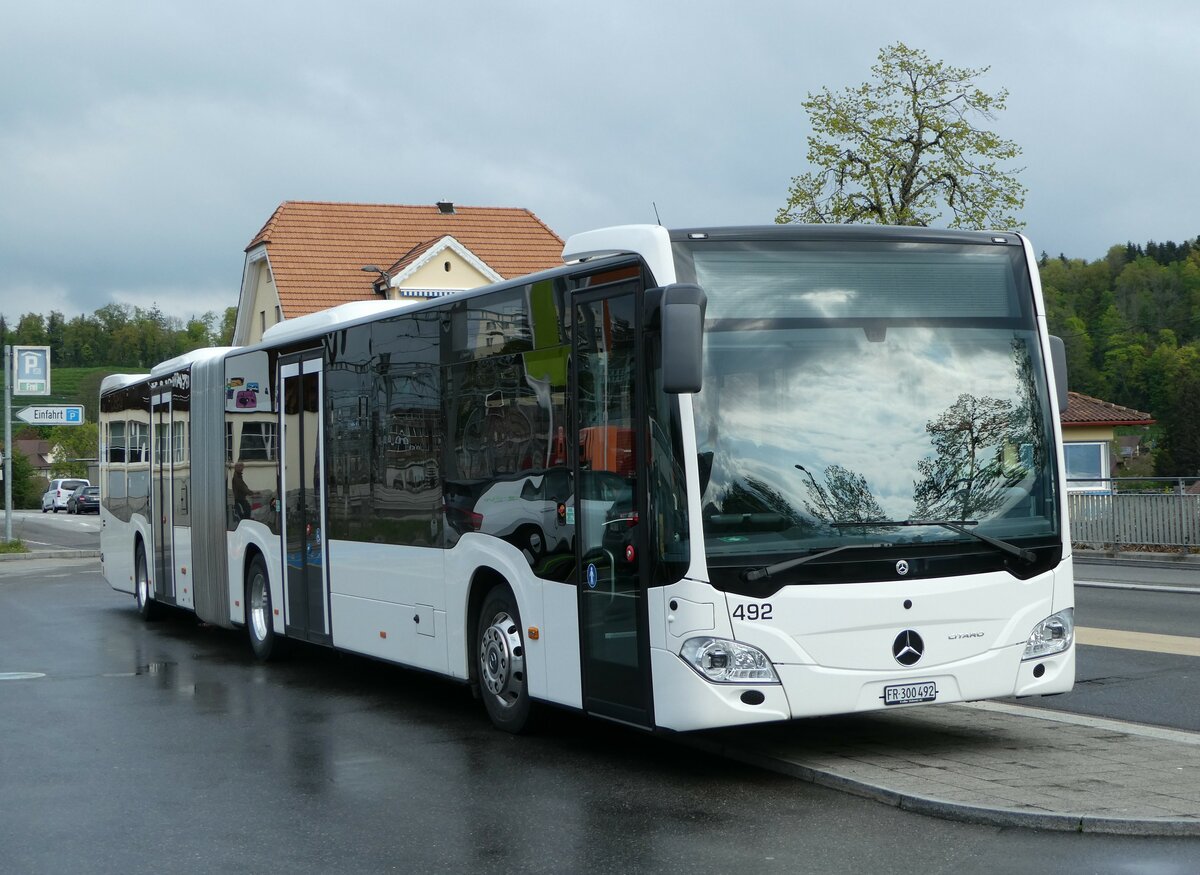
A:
[8, 447]
[27, 372]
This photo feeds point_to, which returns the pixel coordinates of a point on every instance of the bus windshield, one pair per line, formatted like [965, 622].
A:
[868, 382]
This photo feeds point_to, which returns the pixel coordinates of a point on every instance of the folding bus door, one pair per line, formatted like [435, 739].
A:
[608, 473]
[306, 581]
[161, 498]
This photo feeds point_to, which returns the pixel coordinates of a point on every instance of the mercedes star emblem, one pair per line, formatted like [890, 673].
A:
[908, 647]
[902, 568]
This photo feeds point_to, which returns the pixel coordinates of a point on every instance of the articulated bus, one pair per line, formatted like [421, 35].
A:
[690, 479]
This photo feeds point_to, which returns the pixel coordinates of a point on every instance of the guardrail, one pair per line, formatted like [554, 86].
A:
[1120, 512]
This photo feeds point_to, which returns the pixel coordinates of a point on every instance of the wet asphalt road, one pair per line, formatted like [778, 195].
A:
[163, 748]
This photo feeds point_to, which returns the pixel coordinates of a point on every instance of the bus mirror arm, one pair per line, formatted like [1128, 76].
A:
[681, 319]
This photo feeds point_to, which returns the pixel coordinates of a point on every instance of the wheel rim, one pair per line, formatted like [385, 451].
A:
[502, 660]
[143, 583]
[259, 606]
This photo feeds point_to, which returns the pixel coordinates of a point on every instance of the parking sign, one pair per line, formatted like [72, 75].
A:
[32, 368]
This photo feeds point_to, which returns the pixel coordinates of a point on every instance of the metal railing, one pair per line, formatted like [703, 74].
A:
[1134, 512]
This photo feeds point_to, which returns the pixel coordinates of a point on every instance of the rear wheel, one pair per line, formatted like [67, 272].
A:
[143, 587]
[259, 623]
[500, 651]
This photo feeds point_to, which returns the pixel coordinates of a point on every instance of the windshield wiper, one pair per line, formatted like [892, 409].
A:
[953, 525]
[766, 572]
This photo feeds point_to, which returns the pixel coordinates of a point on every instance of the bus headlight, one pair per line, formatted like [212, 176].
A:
[1053, 635]
[728, 662]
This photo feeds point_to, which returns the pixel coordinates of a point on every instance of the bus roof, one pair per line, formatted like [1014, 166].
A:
[120, 381]
[333, 317]
[180, 362]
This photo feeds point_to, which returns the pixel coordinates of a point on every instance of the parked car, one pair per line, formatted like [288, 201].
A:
[60, 489]
[85, 499]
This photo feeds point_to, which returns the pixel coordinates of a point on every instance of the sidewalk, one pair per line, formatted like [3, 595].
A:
[991, 763]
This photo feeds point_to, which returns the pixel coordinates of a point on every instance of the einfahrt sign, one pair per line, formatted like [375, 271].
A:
[62, 414]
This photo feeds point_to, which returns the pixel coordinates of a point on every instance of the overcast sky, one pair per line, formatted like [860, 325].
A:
[142, 144]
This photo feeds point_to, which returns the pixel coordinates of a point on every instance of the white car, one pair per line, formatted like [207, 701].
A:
[60, 489]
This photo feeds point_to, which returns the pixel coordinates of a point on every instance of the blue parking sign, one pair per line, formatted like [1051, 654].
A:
[31, 365]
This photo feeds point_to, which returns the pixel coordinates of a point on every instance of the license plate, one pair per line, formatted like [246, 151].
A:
[906, 694]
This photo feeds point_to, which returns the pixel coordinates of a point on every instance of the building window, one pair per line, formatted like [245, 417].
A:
[278, 315]
[1087, 466]
[262, 321]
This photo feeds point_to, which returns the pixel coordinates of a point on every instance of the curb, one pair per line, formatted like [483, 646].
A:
[1135, 560]
[954, 811]
[51, 554]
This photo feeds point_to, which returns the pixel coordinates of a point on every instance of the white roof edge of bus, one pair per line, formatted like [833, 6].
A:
[170, 366]
[118, 381]
[322, 320]
[651, 242]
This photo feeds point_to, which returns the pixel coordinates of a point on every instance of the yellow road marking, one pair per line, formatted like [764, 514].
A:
[1181, 645]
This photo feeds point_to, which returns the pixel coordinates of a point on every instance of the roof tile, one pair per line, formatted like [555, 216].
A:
[317, 250]
[1086, 410]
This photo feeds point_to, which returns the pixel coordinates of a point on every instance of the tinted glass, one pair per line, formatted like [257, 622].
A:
[873, 383]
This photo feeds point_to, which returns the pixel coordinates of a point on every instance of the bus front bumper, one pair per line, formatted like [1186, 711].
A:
[684, 701]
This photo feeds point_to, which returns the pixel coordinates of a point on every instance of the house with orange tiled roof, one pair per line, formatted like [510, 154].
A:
[1089, 427]
[314, 255]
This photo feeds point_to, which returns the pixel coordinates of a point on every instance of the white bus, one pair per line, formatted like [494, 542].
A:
[691, 479]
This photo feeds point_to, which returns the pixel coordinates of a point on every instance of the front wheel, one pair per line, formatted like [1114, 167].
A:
[500, 650]
[259, 622]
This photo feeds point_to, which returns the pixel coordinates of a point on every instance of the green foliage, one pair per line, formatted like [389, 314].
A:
[903, 148]
[1179, 455]
[73, 447]
[1131, 323]
[228, 324]
[14, 546]
[116, 335]
[27, 487]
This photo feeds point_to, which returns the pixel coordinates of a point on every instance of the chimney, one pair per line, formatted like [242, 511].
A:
[446, 208]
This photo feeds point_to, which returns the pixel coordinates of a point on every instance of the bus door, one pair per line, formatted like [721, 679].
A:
[161, 497]
[302, 487]
[608, 504]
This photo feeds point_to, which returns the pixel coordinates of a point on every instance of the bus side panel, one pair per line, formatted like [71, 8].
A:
[552, 659]
[116, 551]
[564, 681]
[181, 552]
[389, 601]
[249, 536]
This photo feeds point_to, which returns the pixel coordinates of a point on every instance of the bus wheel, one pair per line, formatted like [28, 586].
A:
[143, 589]
[263, 640]
[501, 654]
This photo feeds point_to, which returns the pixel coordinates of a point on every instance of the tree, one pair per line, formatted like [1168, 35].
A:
[845, 497]
[903, 148]
[27, 487]
[967, 477]
[73, 446]
[1179, 455]
[228, 323]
